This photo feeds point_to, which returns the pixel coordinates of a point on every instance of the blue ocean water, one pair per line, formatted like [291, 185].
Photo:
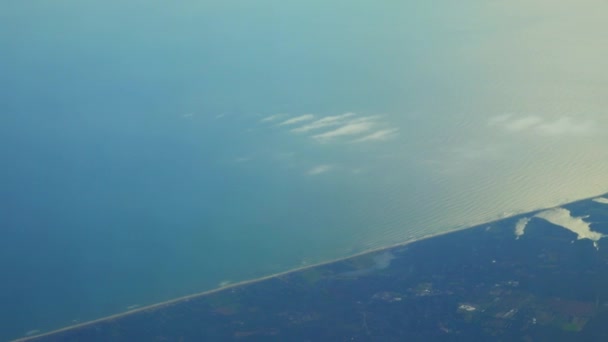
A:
[147, 151]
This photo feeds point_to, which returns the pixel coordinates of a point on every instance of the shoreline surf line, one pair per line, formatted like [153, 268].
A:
[279, 274]
[228, 287]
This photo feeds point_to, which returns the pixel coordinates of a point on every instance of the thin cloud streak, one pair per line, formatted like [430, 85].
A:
[566, 126]
[272, 118]
[563, 126]
[523, 123]
[335, 127]
[348, 129]
[319, 169]
[298, 119]
[327, 121]
[381, 135]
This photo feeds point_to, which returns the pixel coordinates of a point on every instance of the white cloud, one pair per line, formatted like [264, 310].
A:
[601, 200]
[497, 120]
[319, 169]
[346, 124]
[298, 119]
[565, 126]
[561, 217]
[272, 118]
[327, 121]
[522, 123]
[343, 128]
[380, 135]
[351, 128]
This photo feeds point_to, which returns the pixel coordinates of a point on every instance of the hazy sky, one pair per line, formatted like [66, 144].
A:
[155, 149]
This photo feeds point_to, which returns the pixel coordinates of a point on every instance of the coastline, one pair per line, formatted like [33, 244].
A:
[231, 286]
[278, 274]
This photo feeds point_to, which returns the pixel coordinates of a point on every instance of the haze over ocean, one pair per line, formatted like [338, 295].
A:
[152, 150]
